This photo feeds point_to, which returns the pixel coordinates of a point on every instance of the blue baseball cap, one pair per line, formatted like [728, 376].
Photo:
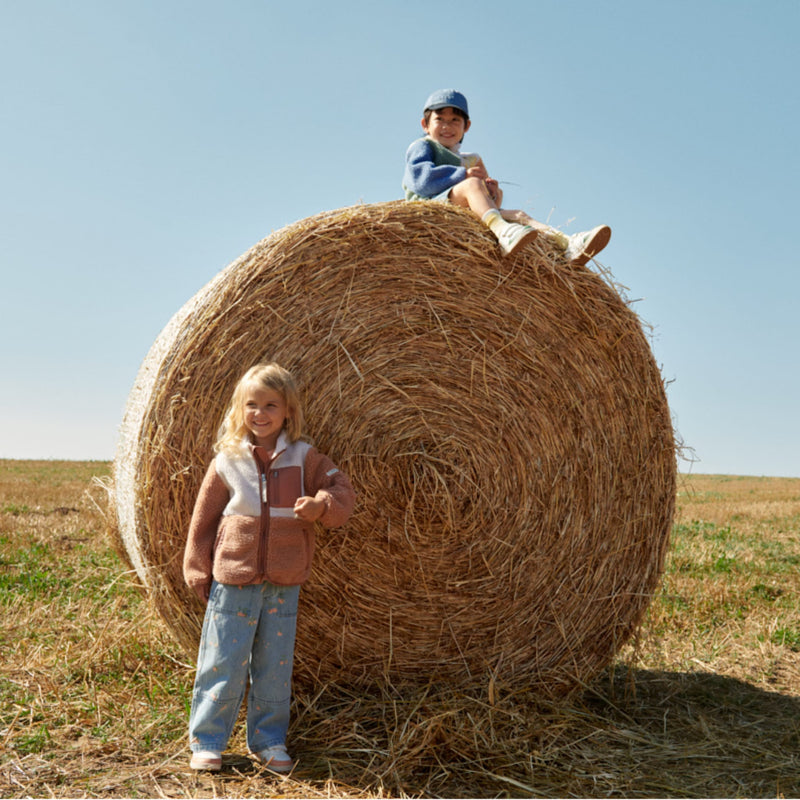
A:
[447, 98]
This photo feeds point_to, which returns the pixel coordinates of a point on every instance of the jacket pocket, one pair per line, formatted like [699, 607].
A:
[291, 550]
[236, 550]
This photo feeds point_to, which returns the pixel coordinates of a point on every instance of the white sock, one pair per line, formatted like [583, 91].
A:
[494, 220]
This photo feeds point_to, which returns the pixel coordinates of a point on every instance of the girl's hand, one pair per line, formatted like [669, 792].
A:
[308, 509]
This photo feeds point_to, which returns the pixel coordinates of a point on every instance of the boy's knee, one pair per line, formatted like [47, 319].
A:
[469, 187]
[475, 184]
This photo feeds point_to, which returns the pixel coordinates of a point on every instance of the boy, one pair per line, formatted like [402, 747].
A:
[436, 170]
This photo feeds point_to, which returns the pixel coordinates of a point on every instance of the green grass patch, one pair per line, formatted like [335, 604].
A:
[36, 741]
[28, 571]
[41, 572]
[14, 509]
[787, 637]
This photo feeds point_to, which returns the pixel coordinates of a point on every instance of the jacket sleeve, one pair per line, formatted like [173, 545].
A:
[422, 177]
[198, 558]
[325, 481]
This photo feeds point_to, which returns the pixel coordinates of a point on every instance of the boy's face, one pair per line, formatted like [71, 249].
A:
[446, 126]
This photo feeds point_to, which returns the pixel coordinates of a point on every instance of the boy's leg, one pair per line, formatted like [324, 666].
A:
[269, 699]
[555, 237]
[516, 215]
[223, 658]
[473, 193]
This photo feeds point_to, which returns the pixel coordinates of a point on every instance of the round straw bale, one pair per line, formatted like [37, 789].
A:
[502, 419]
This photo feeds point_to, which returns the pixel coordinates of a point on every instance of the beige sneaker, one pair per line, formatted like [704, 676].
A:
[514, 235]
[586, 245]
[208, 760]
[276, 759]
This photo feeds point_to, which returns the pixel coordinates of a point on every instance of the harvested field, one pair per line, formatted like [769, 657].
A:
[94, 689]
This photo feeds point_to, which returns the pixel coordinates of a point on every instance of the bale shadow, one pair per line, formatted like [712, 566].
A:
[633, 733]
[698, 734]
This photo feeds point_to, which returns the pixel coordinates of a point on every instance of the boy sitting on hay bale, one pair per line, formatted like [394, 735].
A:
[436, 170]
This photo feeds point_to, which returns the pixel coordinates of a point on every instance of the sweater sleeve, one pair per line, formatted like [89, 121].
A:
[198, 557]
[422, 178]
[325, 481]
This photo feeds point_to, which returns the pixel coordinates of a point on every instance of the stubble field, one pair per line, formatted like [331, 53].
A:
[94, 693]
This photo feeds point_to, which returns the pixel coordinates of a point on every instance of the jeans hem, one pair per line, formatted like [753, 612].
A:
[256, 749]
[199, 748]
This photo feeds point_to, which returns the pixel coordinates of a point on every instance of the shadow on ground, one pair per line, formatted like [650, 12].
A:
[696, 735]
[635, 733]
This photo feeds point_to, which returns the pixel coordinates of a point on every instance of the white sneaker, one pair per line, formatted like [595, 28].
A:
[586, 245]
[514, 235]
[276, 758]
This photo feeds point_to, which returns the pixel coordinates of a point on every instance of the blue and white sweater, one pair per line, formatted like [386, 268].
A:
[431, 168]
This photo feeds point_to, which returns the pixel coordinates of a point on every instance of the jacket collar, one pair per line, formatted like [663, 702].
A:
[280, 447]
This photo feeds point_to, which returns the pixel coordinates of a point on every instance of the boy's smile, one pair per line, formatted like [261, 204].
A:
[446, 126]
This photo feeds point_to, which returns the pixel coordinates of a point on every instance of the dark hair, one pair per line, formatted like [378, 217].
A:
[428, 111]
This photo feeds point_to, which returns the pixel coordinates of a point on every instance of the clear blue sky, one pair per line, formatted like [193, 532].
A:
[145, 145]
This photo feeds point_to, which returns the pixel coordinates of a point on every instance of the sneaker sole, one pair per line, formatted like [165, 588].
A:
[273, 764]
[600, 239]
[280, 768]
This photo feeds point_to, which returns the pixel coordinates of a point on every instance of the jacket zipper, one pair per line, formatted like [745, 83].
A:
[263, 543]
[263, 549]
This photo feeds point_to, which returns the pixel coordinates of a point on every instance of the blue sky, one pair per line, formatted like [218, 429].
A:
[146, 145]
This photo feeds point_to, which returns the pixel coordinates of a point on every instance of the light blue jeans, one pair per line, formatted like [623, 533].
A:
[247, 630]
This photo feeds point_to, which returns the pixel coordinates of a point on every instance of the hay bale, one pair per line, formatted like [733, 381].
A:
[503, 422]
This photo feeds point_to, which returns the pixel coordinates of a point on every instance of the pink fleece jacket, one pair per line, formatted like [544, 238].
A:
[243, 530]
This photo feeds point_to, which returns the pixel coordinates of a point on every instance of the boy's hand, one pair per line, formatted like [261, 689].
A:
[478, 171]
[308, 509]
[494, 191]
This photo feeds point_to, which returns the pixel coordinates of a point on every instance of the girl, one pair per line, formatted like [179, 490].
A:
[250, 544]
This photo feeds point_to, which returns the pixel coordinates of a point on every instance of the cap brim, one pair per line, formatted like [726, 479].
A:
[437, 106]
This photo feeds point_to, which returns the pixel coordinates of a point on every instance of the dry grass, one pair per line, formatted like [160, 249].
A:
[502, 420]
[94, 690]
[737, 539]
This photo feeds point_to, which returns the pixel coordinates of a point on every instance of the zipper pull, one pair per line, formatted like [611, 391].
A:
[263, 487]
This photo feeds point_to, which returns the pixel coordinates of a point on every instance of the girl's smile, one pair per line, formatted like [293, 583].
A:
[265, 412]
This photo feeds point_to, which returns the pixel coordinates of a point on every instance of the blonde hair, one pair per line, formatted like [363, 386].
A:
[270, 375]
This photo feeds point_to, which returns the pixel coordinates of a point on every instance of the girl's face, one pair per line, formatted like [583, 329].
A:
[446, 127]
[265, 411]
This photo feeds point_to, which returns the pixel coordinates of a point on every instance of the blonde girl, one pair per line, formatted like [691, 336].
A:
[249, 549]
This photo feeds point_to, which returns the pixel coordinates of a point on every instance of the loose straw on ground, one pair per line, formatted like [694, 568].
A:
[503, 421]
